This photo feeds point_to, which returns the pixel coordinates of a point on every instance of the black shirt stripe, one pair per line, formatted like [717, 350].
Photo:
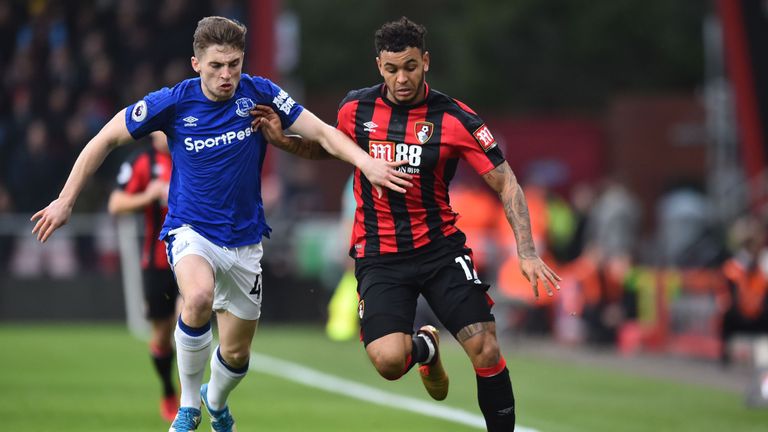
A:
[403, 229]
[364, 114]
[431, 157]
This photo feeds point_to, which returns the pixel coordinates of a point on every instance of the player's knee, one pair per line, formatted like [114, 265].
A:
[484, 352]
[198, 302]
[389, 365]
[236, 358]
[488, 358]
[161, 342]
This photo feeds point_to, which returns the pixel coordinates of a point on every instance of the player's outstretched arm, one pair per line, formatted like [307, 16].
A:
[266, 120]
[57, 213]
[121, 202]
[379, 172]
[503, 181]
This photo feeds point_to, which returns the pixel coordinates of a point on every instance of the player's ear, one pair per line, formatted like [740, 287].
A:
[195, 64]
[425, 58]
[378, 65]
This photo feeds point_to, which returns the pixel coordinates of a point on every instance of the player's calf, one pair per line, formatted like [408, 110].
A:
[495, 397]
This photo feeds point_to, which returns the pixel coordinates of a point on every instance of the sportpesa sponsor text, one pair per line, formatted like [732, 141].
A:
[225, 138]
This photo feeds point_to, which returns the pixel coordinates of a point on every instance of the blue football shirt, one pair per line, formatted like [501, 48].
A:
[217, 160]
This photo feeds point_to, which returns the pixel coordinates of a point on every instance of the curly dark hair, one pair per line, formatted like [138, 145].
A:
[396, 36]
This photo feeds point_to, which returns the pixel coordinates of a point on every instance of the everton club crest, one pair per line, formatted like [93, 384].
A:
[244, 106]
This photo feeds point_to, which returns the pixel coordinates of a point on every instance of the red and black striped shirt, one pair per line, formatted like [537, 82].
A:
[134, 177]
[432, 135]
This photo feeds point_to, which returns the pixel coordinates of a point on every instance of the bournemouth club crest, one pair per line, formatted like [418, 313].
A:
[423, 131]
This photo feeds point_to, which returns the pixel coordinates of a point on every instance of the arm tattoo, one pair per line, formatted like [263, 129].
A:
[303, 148]
[503, 180]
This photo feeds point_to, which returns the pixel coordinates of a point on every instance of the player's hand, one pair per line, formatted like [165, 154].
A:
[535, 270]
[266, 120]
[50, 219]
[385, 174]
[157, 190]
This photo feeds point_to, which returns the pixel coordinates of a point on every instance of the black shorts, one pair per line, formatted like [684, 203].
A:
[443, 272]
[160, 293]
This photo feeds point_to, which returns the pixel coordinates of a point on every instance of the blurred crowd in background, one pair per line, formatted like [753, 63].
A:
[641, 269]
[67, 68]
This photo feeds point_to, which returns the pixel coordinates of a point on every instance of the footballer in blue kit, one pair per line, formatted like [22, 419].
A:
[215, 220]
[216, 181]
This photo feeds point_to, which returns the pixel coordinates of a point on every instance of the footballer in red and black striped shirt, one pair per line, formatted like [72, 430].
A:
[432, 134]
[407, 244]
[142, 185]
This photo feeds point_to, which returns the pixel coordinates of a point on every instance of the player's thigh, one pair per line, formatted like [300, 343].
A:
[239, 289]
[160, 293]
[194, 261]
[195, 276]
[388, 294]
[455, 294]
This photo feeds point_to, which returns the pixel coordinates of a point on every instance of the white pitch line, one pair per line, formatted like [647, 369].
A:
[333, 384]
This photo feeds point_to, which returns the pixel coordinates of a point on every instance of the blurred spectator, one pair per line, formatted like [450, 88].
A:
[686, 234]
[6, 241]
[34, 176]
[8, 25]
[229, 8]
[582, 200]
[35, 173]
[614, 220]
[604, 298]
[746, 301]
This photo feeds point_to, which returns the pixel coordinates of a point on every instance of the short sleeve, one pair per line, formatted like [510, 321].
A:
[474, 141]
[280, 101]
[345, 118]
[154, 112]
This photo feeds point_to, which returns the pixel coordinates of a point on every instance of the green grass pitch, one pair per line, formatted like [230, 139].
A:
[96, 377]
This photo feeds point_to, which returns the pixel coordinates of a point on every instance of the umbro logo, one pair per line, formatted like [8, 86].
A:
[190, 121]
[370, 126]
[506, 411]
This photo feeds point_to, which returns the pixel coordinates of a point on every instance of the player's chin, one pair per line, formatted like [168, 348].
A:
[226, 92]
[403, 99]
